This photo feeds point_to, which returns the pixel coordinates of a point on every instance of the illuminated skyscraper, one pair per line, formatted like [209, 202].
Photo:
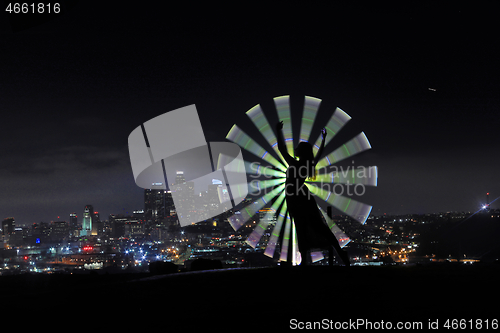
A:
[154, 204]
[97, 225]
[59, 230]
[88, 220]
[73, 222]
[8, 226]
[179, 178]
[169, 204]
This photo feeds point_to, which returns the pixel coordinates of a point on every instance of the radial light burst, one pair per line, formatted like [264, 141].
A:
[267, 182]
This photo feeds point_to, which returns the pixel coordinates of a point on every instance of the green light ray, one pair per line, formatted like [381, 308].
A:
[259, 185]
[260, 121]
[242, 216]
[244, 141]
[259, 230]
[354, 146]
[263, 200]
[361, 175]
[311, 105]
[334, 125]
[355, 209]
[296, 257]
[238, 219]
[271, 244]
[282, 104]
[286, 239]
[258, 169]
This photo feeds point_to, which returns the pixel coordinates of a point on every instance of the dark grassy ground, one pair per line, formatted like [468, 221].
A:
[258, 298]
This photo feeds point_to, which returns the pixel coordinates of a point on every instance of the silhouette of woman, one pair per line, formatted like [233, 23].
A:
[312, 232]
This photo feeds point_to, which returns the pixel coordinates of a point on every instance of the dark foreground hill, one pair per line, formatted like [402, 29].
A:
[472, 237]
[255, 298]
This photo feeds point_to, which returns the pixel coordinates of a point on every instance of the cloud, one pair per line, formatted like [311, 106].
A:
[65, 159]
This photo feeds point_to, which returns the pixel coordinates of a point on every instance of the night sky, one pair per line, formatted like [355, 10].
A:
[73, 88]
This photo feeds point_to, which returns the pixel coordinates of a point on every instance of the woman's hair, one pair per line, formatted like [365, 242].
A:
[304, 151]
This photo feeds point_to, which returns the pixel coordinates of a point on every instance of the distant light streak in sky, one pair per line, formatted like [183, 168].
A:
[480, 209]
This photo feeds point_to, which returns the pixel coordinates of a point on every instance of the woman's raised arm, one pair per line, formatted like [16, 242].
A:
[322, 146]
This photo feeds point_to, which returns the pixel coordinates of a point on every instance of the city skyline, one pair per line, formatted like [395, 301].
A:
[418, 83]
[421, 83]
[74, 217]
[121, 244]
[89, 213]
[487, 201]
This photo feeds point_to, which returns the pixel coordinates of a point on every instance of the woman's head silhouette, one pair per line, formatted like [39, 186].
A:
[304, 150]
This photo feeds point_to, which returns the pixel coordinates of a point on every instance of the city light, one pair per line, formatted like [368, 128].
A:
[131, 244]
